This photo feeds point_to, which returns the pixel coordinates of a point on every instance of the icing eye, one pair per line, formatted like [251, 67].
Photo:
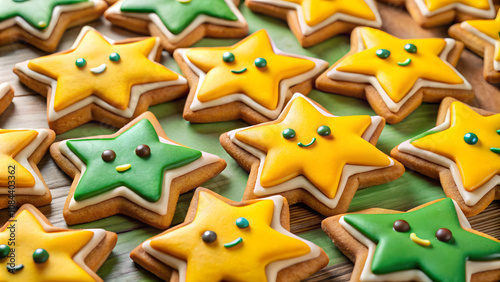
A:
[288, 133]
[470, 138]
[411, 48]
[401, 225]
[80, 62]
[228, 57]
[40, 255]
[4, 251]
[324, 130]
[143, 151]
[260, 62]
[443, 234]
[242, 222]
[383, 53]
[114, 57]
[209, 236]
[108, 156]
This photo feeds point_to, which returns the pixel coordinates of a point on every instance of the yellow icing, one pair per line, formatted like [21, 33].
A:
[477, 163]
[260, 84]
[397, 80]
[114, 84]
[245, 262]
[61, 246]
[316, 11]
[11, 143]
[433, 5]
[321, 163]
[490, 28]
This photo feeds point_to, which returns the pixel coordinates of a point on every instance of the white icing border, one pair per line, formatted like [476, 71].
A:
[301, 181]
[471, 267]
[476, 32]
[420, 83]
[135, 92]
[56, 13]
[307, 29]
[272, 269]
[201, 19]
[160, 206]
[4, 88]
[285, 84]
[22, 158]
[490, 13]
[470, 198]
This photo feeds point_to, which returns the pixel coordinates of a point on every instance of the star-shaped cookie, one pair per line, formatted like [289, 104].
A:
[6, 96]
[180, 23]
[98, 79]
[251, 80]
[314, 21]
[432, 242]
[394, 75]
[34, 250]
[463, 151]
[430, 13]
[222, 240]
[482, 37]
[20, 179]
[42, 23]
[137, 171]
[308, 155]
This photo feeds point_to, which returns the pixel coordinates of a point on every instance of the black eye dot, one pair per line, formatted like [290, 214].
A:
[108, 156]
[143, 151]
[443, 234]
[401, 225]
[209, 236]
[4, 251]
[40, 255]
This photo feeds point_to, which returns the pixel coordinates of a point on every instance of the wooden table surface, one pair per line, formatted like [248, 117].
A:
[29, 111]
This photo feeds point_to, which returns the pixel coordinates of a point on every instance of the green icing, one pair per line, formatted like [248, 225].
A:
[176, 16]
[37, 13]
[145, 177]
[441, 261]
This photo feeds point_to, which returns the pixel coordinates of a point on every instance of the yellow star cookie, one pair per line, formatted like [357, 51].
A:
[253, 72]
[99, 72]
[311, 149]
[218, 235]
[33, 250]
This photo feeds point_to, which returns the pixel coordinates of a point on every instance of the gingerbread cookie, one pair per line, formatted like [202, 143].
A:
[222, 240]
[98, 79]
[308, 155]
[430, 13]
[251, 80]
[20, 180]
[482, 37]
[34, 250]
[432, 242]
[180, 23]
[137, 171]
[463, 151]
[314, 21]
[396, 75]
[6, 96]
[42, 23]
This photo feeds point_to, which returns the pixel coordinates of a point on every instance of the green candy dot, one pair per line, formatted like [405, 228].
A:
[242, 222]
[470, 138]
[260, 62]
[40, 255]
[383, 53]
[498, 132]
[288, 133]
[228, 57]
[411, 48]
[80, 62]
[114, 57]
[4, 251]
[324, 130]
